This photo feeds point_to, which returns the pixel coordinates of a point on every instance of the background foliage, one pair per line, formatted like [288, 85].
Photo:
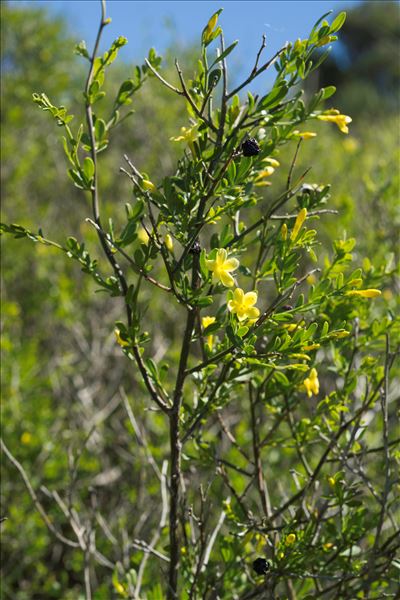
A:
[65, 412]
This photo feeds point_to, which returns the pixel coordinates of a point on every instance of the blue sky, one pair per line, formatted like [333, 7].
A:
[164, 23]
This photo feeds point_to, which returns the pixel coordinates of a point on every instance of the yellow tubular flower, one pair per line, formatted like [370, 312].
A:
[335, 117]
[188, 134]
[242, 305]
[143, 236]
[169, 242]
[271, 161]
[120, 341]
[311, 347]
[311, 383]
[284, 231]
[266, 172]
[210, 26]
[301, 217]
[290, 539]
[205, 322]
[304, 135]
[148, 185]
[370, 293]
[221, 268]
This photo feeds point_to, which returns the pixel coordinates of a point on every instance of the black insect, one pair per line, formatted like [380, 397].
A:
[250, 147]
[261, 566]
[287, 307]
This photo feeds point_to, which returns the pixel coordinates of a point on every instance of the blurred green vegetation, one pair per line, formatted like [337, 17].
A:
[61, 370]
[364, 65]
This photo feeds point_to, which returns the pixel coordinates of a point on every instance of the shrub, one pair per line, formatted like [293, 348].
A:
[256, 455]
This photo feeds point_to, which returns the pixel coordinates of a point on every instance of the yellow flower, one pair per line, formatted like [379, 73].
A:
[311, 383]
[210, 26]
[148, 185]
[284, 231]
[143, 236]
[340, 333]
[290, 539]
[169, 242]
[370, 293]
[271, 164]
[271, 161]
[188, 135]
[120, 341]
[266, 172]
[291, 326]
[221, 267]
[304, 135]
[26, 438]
[333, 116]
[301, 217]
[205, 322]
[331, 481]
[120, 588]
[242, 305]
[311, 347]
[328, 545]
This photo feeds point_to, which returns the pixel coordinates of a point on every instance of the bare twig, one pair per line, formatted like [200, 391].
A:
[35, 499]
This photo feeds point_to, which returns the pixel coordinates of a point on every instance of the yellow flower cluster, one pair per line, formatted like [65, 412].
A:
[270, 165]
[311, 383]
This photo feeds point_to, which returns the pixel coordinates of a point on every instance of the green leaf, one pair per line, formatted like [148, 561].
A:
[274, 97]
[88, 168]
[203, 301]
[76, 178]
[127, 88]
[338, 22]
[224, 54]
[99, 129]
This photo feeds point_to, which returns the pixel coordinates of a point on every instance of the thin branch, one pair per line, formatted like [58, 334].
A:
[185, 92]
[141, 438]
[35, 499]
[261, 484]
[256, 73]
[163, 81]
[157, 534]
[134, 266]
[292, 165]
